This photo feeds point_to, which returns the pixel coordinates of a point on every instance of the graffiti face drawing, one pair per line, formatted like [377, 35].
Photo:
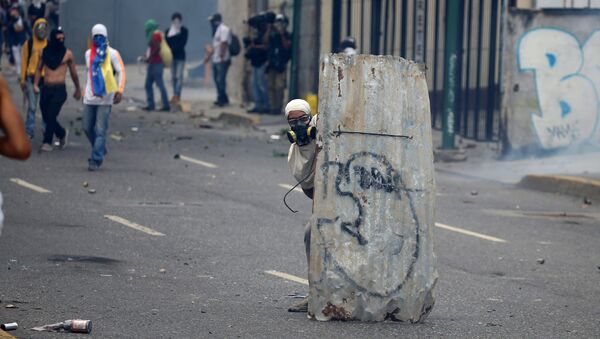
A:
[375, 188]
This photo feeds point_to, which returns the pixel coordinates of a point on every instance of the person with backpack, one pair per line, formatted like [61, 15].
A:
[32, 52]
[220, 57]
[177, 36]
[279, 53]
[157, 57]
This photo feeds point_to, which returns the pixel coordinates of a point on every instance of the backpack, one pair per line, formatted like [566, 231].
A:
[165, 52]
[234, 46]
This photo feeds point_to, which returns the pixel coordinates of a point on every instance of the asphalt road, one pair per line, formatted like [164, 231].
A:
[214, 226]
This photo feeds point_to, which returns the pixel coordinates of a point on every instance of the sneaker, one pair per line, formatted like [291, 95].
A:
[46, 148]
[92, 167]
[165, 109]
[147, 108]
[301, 307]
[62, 143]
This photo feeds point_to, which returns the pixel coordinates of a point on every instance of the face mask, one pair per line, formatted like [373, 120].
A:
[301, 132]
[41, 31]
[99, 40]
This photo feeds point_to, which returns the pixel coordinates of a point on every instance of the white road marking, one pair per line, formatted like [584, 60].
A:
[289, 187]
[467, 232]
[288, 277]
[198, 162]
[29, 185]
[133, 225]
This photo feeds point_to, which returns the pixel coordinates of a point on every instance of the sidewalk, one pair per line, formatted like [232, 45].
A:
[573, 174]
[197, 98]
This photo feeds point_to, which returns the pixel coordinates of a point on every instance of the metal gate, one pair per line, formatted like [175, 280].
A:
[415, 29]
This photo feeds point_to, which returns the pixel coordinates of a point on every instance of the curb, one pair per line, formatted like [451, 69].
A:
[563, 184]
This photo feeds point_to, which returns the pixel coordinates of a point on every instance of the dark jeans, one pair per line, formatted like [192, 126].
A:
[220, 76]
[52, 99]
[154, 74]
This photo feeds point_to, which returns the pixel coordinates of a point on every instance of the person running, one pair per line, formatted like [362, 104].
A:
[177, 36]
[105, 82]
[155, 68]
[32, 52]
[56, 58]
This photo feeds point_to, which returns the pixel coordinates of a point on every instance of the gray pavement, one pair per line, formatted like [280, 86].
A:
[224, 224]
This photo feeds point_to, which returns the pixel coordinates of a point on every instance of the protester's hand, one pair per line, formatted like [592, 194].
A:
[77, 94]
[118, 98]
[36, 89]
[23, 86]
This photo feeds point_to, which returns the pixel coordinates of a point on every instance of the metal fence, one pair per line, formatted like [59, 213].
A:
[415, 29]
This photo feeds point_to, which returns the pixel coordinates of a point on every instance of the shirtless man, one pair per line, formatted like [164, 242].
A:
[55, 60]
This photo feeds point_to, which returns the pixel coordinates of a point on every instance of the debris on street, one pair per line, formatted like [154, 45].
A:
[9, 327]
[75, 326]
[118, 136]
[10, 306]
[541, 261]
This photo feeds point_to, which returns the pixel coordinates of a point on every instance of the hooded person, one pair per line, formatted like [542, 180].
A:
[55, 50]
[55, 61]
[302, 153]
[105, 83]
[155, 68]
[30, 58]
[302, 161]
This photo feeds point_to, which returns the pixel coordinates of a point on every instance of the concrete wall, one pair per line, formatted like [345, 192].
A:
[552, 80]
[125, 22]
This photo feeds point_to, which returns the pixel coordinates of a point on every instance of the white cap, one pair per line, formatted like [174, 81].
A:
[99, 29]
[297, 105]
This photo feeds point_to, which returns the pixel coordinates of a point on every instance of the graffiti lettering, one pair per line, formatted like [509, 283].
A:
[566, 79]
[367, 171]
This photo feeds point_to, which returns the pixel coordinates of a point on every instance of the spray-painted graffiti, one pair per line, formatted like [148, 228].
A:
[367, 178]
[567, 80]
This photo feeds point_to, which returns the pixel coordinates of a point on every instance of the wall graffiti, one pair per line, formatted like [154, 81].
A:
[369, 178]
[567, 80]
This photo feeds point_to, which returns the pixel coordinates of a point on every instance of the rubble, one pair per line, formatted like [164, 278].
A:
[9, 326]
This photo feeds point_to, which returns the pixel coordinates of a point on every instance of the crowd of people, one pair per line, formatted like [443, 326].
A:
[16, 25]
[268, 51]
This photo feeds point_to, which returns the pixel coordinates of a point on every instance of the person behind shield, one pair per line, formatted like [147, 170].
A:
[302, 161]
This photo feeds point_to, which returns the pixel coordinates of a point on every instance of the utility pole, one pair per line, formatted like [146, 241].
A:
[451, 75]
[293, 92]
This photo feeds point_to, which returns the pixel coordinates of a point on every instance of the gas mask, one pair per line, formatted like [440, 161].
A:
[301, 132]
[41, 31]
